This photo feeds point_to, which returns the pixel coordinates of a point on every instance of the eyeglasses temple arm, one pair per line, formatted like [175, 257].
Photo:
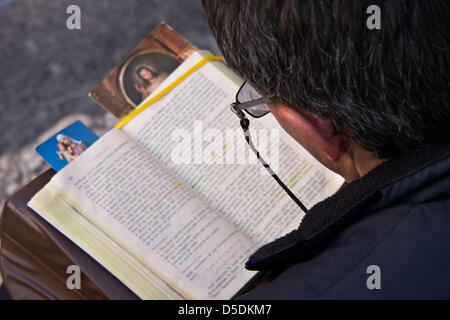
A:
[249, 104]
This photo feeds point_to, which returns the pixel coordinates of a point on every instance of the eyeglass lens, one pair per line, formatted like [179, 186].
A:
[248, 93]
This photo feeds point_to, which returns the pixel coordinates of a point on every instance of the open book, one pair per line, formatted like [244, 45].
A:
[174, 202]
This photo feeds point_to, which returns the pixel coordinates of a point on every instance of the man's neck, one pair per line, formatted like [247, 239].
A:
[365, 161]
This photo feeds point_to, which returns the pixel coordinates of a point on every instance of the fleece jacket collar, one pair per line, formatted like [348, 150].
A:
[387, 184]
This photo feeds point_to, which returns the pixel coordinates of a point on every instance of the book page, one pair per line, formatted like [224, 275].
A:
[193, 132]
[119, 262]
[120, 188]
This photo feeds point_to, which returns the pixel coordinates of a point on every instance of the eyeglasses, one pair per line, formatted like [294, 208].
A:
[249, 100]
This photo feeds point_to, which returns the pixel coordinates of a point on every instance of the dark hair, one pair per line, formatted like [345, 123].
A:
[386, 88]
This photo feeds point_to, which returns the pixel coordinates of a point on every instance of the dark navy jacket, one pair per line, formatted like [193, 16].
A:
[396, 217]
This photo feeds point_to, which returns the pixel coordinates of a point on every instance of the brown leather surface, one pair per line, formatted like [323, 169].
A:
[34, 256]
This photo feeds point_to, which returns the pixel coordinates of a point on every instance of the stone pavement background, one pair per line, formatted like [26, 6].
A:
[46, 70]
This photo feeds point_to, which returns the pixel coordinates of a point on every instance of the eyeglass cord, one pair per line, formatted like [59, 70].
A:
[245, 123]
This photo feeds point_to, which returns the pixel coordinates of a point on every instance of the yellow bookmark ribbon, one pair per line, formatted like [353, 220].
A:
[166, 90]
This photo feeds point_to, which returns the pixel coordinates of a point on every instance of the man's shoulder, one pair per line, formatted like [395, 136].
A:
[389, 255]
[406, 258]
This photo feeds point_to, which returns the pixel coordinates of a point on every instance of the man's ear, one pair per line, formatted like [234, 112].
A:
[312, 131]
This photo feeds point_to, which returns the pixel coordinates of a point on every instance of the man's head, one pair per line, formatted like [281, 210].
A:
[351, 96]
